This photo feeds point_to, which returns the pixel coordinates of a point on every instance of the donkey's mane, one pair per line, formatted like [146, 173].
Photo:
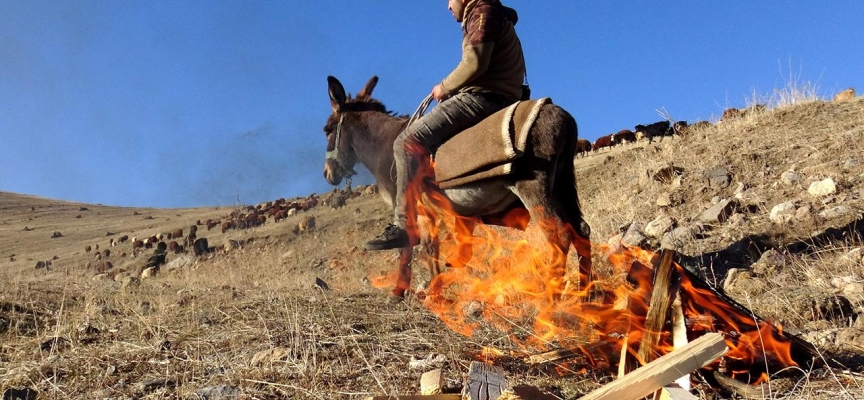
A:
[368, 104]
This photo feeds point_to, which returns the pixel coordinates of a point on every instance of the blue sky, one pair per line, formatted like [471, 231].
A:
[196, 103]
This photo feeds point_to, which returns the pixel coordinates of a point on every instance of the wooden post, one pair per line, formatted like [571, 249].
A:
[665, 288]
[652, 376]
[485, 382]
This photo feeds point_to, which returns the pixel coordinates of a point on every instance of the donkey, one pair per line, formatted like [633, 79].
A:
[543, 182]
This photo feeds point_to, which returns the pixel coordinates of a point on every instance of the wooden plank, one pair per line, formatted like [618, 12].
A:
[675, 392]
[647, 379]
[485, 382]
[665, 287]
[679, 336]
[431, 382]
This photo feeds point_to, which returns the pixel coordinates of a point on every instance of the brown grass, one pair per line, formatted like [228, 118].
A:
[202, 325]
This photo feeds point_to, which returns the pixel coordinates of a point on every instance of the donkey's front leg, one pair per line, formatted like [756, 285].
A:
[403, 280]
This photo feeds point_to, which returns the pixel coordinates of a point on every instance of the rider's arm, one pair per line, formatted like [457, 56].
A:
[475, 61]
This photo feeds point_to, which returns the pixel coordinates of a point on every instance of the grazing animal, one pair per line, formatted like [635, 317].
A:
[173, 246]
[123, 239]
[200, 247]
[87, 249]
[845, 95]
[362, 130]
[137, 244]
[657, 129]
[681, 128]
[602, 142]
[193, 229]
[226, 226]
[583, 147]
[107, 253]
[211, 224]
[54, 235]
[280, 215]
[623, 136]
[176, 234]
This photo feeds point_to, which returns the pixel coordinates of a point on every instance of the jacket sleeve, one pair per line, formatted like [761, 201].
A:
[475, 61]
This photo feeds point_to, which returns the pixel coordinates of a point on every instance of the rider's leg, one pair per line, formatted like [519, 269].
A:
[452, 116]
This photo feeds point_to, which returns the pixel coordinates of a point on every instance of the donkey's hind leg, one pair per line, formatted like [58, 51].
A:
[547, 229]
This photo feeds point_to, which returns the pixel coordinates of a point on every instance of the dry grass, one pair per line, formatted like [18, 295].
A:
[202, 325]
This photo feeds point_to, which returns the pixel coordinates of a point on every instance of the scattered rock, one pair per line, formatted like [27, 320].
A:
[218, 392]
[664, 200]
[718, 177]
[99, 277]
[431, 361]
[770, 262]
[822, 188]
[659, 226]
[231, 245]
[851, 163]
[678, 238]
[180, 262]
[790, 178]
[836, 212]
[782, 213]
[634, 236]
[719, 212]
[804, 214]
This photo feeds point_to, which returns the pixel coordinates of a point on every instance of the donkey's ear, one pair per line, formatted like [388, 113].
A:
[367, 90]
[337, 93]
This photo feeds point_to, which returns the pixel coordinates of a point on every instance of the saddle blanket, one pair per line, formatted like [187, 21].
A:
[487, 149]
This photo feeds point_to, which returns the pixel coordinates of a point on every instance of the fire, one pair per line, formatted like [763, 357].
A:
[521, 285]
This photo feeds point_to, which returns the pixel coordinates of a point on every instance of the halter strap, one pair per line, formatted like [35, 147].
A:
[333, 155]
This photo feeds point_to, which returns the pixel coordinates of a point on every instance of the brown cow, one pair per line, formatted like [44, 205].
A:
[730, 113]
[583, 147]
[226, 226]
[279, 216]
[87, 249]
[601, 142]
[193, 229]
[176, 234]
[623, 136]
[137, 244]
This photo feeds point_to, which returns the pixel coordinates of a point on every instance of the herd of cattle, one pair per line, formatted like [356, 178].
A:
[657, 130]
[183, 240]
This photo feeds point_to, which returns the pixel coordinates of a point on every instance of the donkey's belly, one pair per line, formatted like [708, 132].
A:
[481, 198]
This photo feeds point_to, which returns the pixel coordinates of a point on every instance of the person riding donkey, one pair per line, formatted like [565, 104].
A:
[489, 77]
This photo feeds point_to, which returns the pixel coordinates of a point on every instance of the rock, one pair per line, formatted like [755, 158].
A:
[790, 178]
[738, 221]
[678, 238]
[120, 276]
[769, 262]
[180, 262]
[822, 188]
[822, 338]
[269, 356]
[634, 236]
[804, 214]
[782, 213]
[719, 212]
[718, 177]
[218, 392]
[732, 276]
[836, 212]
[659, 226]
[852, 339]
[131, 281]
[851, 163]
[853, 256]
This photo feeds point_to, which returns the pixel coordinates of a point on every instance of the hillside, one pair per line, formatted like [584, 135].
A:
[735, 199]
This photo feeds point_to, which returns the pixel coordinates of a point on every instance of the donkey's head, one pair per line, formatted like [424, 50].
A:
[343, 125]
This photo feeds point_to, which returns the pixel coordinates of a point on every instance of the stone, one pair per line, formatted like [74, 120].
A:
[804, 214]
[836, 212]
[131, 281]
[718, 177]
[677, 238]
[218, 392]
[822, 188]
[148, 273]
[634, 236]
[769, 262]
[659, 226]
[790, 178]
[782, 213]
[851, 163]
[719, 212]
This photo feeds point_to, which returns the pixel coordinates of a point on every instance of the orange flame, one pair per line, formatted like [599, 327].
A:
[526, 287]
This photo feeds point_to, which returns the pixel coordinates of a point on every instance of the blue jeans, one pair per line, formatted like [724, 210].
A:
[448, 118]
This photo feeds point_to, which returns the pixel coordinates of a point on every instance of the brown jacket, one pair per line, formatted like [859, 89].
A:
[492, 59]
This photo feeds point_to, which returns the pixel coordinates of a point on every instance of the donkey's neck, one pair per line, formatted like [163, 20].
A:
[375, 149]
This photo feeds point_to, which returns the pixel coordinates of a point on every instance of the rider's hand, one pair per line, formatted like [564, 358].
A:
[438, 93]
